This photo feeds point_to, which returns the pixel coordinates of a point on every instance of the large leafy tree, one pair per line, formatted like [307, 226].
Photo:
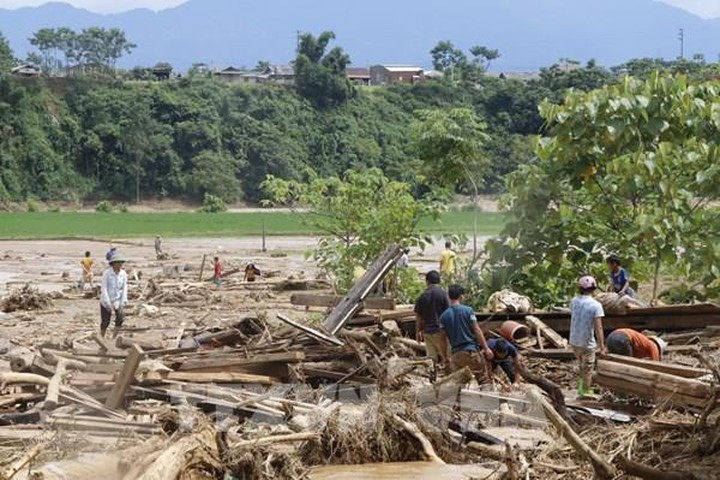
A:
[359, 215]
[450, 145]
[320, 74]
[631, 168]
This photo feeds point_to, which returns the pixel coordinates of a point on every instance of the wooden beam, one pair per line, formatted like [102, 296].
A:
[669, 368]
[323, 337]
[228, 362]
[548, 333]
[126, 378]
[320, 300]
[352, 302]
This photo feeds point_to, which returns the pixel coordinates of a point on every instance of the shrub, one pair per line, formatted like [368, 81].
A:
[32, 205]
[213, 204]
[123, 208]
[104, 207]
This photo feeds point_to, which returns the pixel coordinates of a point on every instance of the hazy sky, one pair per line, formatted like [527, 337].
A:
[705, 8]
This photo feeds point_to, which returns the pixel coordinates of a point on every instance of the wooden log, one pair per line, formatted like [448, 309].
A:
[646, 472]
[629, 386]
[216, 363]
[220, 377]
[352, 302]
[22, 378]
[22, 363]
[127, 376]
[276, 439]
[669, 368]
[654, 380]
[97, 338]
[548, 333]
[322, 336]
[52, 397]
[550, 353]
[425, 444]
[320, 300]
[172, 462]
[21, 463]
[603, 469]
[125, 343]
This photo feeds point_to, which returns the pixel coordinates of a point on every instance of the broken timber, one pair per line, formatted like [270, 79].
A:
[318, 300]
[548, 333]
[127, 376]
[311, 331]
[353, 301]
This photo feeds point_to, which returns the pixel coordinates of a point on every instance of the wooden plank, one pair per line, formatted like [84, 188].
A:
[670, 368]
[625, 385]
[221, 377]
[97, 338]
[550, 353]
[290, 357]
[126, 377]
[311, 331]
[352, 302]
[330, 375]
[543, 329]
[320, 300]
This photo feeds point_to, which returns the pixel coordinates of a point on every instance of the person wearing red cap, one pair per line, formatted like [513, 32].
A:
[586, 332]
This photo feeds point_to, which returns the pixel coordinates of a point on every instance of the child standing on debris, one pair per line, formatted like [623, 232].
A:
[217, 272]
[87, 275]
[619, 278]
[586, 332]
[459, 326]
[113, 293]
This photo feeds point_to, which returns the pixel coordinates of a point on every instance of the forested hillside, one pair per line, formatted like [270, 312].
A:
[81, 138]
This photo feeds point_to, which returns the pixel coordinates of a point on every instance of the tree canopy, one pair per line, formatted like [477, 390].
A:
[320, 74]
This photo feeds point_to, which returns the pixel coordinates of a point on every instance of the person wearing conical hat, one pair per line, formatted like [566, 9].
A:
[113, 293]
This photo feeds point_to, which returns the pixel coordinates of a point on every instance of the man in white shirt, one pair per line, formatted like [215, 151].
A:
[113, 293]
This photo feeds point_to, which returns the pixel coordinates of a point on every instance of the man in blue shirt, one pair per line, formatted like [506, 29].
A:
[619, 278]
[459, 326]
[505, 356]
[586, 332]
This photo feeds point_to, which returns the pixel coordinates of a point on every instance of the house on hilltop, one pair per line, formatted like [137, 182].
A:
[282, 74]
[358, 75]
[26, 71]
[389, 74]
[241, 77]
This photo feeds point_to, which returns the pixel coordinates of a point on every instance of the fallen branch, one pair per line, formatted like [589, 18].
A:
[649, 473]
[603, 469]
[414, 431]
[272, 440]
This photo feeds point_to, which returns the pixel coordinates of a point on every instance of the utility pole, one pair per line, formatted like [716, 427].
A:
[681, 37]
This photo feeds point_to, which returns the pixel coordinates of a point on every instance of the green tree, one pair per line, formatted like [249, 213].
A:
[7, 58]
[630, 169]
[320, 74]
[360, 214]
[484, 56]
[448, 59]
[47, 41]
[450, 145]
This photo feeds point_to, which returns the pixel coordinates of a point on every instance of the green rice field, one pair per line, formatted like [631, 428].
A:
[61, 225]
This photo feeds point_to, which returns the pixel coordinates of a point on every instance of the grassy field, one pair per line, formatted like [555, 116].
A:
[28, 225]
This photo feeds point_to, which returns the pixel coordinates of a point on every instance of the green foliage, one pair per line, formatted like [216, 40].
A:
[360, 214]
[631, 169]
[104, 206]
[320, 74]
[93, 47]
[32, 205]
[213, 204]
[7, 58]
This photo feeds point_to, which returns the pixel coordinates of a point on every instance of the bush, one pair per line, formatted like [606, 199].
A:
[123, 208]
[213, 204]
[104, 207]
[32, 205]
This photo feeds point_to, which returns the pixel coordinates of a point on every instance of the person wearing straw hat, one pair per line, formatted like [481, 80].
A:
[113, 293]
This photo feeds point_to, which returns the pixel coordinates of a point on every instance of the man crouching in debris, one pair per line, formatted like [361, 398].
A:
[586, 332]
[631, 343]
[459, 326]
[113, 293]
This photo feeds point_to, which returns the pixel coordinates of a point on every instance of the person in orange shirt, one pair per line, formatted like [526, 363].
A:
[630, 343]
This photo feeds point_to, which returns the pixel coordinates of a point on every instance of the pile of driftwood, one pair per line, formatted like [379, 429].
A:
[27, 298]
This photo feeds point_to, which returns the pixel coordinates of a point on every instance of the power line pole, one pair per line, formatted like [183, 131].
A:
[681, 37]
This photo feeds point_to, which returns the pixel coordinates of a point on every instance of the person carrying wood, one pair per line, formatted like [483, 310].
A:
[586, 332]
[459, 327]
[113, 293]
[631, 343]
[428, 309]
[505, 356]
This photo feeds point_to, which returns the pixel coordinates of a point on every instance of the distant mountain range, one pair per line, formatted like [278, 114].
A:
[529, 33]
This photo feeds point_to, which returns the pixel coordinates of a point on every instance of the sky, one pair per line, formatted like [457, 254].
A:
[704, 8]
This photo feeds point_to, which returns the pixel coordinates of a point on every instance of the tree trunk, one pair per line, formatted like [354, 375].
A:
[656, 279]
